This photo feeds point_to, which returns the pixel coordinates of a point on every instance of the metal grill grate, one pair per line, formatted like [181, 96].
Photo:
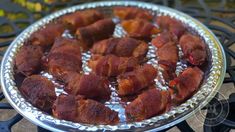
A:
[219, 16]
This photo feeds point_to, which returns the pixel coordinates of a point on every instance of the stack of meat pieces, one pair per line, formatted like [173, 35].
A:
[122, 59]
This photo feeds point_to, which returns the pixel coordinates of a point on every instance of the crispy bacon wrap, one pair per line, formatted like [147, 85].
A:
[111, 65]
[139, 29]
[148, 104]
[121, 47]
[134, 81]
[126, 13]
[81, 18]
[171, 25]
[69, 107]
[99, 30]
[90, 86]
[45, 36]
[186, 84]
[64, 57]
[28, 60]
[194, 49]
[39, 91]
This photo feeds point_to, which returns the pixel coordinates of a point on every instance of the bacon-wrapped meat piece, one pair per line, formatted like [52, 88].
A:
[139, 28]
[39, 91]
[99, 30]
[121, 47]
[132, 13]
[45, 37]
[186, 84]
[148, 104]
[81, 18]
[90, 86]
[64, 57]
[163, 38]
[111, 65]
[171, 25]
[28, 60]
[168, 57]
[134, 81]
[68, 107]
[194, 49]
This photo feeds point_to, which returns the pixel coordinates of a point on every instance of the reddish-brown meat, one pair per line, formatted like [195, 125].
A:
[90, 86]
[186, 83]
[148, 104]
[171, 25]
[39, 91]
[28, 60]
[139, 29]
[64, 57]
[121, 47]
[81, 18]
[168, 57]
[99, 30]
[163, 38]
[45, 37]
[132, 13]
[134, 81]
[68, 107]
[193, 48]
[111, 65]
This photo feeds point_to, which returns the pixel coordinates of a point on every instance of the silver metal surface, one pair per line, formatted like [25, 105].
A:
[213, 79]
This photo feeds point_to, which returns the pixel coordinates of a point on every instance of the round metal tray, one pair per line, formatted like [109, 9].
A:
[215, 73]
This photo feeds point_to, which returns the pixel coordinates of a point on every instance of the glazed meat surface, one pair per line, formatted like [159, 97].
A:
[28, 60]
[139, 29]
[90, 86]
[99, 30]
[193, 48]
[64, 57]
[132, 13]
[39, 91]
[168, 57]
[121, 47]
[186, 84]
[45, 37]
[132, 82]
[148, 104]
[111, 65]
[83, 110]
[163, 38]
[81, 18]
[171, 25]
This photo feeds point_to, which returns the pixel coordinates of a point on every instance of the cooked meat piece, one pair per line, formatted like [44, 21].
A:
[90, 86]
[68, 107]
[139, 29]
[28, 59]
[134, 81]
[90, 111]
[186, 83]
[168, 57]
[171, 25]
[193, 48]
[39, 91]
[111, 65]
[121, 47]
[148, 104]
[64, 57]
[168, 52]
[81, 18]
[45, 37]
[99, 30]
[132, 13]
[65, 107]
[163, 38]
